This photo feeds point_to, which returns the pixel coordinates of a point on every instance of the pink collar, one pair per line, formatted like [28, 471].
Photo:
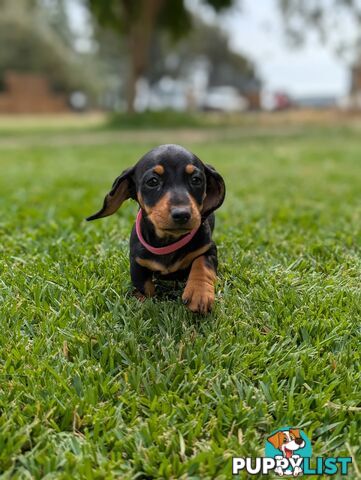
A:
[173, 247]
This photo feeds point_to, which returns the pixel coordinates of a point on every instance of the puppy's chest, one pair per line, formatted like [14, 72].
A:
[167, 267]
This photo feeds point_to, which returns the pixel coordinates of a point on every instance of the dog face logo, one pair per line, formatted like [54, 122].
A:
[288, 452]
[288, 443]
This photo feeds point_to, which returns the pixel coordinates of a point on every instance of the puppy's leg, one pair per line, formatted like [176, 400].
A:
[198, 294]
[142, 280]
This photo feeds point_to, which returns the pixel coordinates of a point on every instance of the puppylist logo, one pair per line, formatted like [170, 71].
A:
[288, 452]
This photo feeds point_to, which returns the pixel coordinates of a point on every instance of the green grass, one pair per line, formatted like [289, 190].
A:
[97, 385]
[162, 119]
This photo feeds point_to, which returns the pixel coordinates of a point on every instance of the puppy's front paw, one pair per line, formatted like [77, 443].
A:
[199, 298]
[139, 296]
[147, 291]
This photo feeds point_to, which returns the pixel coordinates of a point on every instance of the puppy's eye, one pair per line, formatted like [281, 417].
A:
[196, 181]
[152, 182]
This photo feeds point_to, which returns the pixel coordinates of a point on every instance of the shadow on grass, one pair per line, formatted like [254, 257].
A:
[153, 120]
[165, 316]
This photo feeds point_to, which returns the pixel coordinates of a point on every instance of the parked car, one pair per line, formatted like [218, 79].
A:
[224, 99]
[276, 101]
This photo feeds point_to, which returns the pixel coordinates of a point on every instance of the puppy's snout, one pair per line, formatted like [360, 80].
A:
[299, 441]
[180, 215]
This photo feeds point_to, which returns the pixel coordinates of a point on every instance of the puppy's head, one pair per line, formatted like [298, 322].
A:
[175, 190]
[287, 441]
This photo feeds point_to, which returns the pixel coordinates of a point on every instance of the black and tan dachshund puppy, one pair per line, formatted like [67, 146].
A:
[172, 236]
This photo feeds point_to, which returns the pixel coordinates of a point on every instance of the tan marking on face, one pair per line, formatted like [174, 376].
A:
[178, 265]
[195, 212]
[141, 202]
[159, 215]
[161, 219]
[159, 169]
[199, 291]
[190, 168]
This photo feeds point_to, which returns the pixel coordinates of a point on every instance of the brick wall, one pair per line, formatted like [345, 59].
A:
[29, 93]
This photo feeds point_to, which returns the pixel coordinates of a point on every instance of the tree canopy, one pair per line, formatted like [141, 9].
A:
[329, 18]
[38, 40]
[208, 43]
[138, 20]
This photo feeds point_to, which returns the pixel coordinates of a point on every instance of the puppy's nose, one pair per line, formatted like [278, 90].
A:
[299, 441]
[180, 215]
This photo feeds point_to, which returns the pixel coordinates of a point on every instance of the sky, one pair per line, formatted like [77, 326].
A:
[312, 69]
[255, 29]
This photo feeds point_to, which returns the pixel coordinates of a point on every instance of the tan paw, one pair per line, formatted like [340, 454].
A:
[149, 291]
[199, 298]
[140, 296]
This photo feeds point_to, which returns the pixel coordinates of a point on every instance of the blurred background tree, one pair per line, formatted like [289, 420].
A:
[38, 39]
[137, 21]
[151, 40]
[207, 42]
[327, 17]
[330, 19]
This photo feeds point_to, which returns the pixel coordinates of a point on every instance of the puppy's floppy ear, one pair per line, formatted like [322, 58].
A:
[276, 439]
[215, 192]
[122, 189]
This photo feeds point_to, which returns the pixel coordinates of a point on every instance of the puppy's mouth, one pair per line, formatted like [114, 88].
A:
[288, 453]
[177, 230]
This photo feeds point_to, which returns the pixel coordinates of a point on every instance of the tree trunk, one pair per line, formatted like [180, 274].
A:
[140, 33]
[131, 88]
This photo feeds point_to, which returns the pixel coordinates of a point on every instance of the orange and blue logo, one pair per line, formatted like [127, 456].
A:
[288, 452]
[290, 446]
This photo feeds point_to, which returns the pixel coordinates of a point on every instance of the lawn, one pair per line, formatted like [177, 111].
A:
[95, 385]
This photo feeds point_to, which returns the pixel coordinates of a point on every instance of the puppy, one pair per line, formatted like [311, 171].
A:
[172, 236]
